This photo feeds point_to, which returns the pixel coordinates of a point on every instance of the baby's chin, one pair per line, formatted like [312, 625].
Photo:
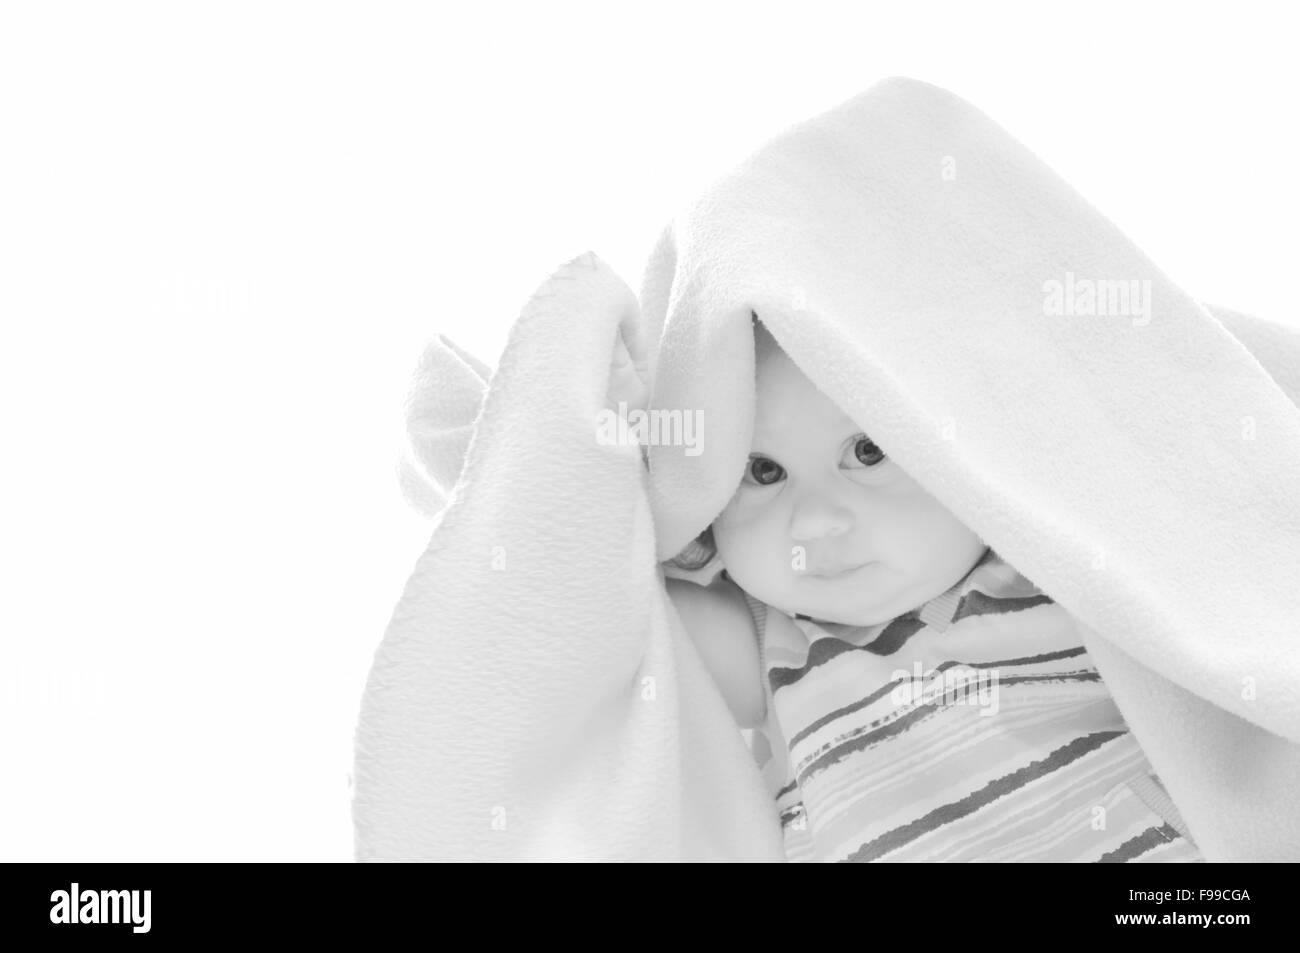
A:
[859, 617]
[844, 608]
[872, 594]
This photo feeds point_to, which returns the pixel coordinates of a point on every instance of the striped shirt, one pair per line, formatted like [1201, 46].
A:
[974, 728]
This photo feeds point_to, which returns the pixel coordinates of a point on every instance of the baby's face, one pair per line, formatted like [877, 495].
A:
[823, 524]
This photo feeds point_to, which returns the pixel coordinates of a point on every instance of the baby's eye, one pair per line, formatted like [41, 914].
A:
[865, 453]
[764, 471]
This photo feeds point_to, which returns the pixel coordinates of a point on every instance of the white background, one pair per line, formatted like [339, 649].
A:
[227, 231]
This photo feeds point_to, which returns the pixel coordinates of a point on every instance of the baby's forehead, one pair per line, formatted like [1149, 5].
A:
[789, 406]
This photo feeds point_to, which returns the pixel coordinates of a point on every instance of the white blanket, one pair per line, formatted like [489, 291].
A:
[535, 696]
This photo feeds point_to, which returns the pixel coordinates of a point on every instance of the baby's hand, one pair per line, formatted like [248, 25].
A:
[628, 376]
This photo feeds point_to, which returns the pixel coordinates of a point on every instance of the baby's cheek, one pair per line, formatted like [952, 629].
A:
[750, 530]
[745, 509]
[939, 540]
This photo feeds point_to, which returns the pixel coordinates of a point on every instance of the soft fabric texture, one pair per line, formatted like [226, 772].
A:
[535, 696]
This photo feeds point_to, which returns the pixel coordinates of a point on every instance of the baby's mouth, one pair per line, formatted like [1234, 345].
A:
[834, 572]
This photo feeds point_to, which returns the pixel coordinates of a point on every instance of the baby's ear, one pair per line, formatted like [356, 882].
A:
[702, 575]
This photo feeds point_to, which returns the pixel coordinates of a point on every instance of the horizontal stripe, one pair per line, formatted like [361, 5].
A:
[985, 795]
[1137, 846]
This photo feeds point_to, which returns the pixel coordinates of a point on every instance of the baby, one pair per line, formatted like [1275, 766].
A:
[907, 695]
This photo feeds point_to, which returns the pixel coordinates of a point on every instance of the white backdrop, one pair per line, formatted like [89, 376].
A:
[226, 232]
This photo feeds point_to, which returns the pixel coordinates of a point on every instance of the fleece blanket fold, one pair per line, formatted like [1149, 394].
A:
[1133, 452]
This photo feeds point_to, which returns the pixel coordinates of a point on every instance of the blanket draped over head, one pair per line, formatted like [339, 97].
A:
[1132, 451]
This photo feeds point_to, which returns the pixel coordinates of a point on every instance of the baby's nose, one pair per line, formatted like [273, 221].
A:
[819, 519]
